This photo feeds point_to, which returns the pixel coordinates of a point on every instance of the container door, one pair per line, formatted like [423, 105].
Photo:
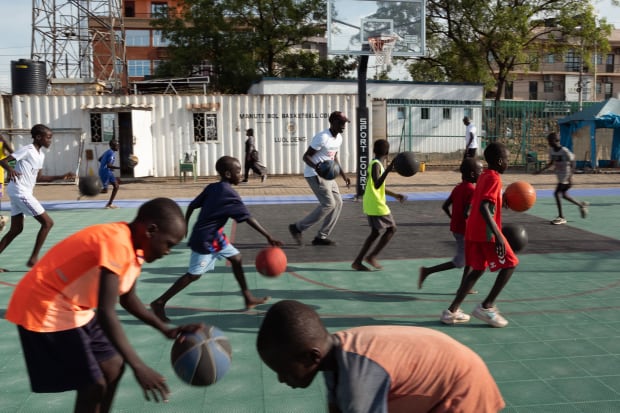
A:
[142, 142]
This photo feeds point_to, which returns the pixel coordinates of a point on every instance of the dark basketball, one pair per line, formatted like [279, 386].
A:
[89, 185]
[406, 164]
[328, 169]
[516, 236]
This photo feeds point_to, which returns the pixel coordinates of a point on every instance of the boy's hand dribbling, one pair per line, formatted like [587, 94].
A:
[275, 242]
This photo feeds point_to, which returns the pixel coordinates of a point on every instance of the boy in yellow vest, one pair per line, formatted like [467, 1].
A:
[376, 208]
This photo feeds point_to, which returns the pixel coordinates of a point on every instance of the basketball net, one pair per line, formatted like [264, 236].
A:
[382, 47]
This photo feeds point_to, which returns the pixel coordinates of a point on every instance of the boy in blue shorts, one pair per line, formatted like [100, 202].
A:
[485, 246]
[217, 203]
[106, 173]
[460, 202]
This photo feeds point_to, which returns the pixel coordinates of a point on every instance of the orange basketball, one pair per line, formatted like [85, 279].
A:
[271, 261]
[520, 196]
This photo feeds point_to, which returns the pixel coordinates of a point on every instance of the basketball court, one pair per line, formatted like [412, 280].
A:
[560, 352]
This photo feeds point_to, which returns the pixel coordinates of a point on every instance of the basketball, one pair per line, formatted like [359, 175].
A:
[89, 185]
[328, 169]
[132, 161]
[201, 358]
[271, 261]
[520, 196]
[406, 164]
[516, 236]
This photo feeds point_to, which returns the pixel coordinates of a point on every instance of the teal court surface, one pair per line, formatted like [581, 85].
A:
[560, 352]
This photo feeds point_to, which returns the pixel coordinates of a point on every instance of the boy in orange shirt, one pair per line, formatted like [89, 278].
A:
[485, 245]
[69, 346]
[396, 369]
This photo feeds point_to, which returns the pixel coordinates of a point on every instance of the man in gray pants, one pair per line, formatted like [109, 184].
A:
[324, 146]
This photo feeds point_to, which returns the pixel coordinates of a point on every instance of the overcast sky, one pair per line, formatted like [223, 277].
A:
[16, 32]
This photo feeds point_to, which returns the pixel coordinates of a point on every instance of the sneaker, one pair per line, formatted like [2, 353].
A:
[322, 241]
[584, 209]
[490, 316]
[295, 233]
[245, 181]
[263, 178]
[111, 206]
[457, 317]
[558, 221]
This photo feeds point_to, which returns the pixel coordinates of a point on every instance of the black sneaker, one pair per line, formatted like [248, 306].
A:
[322, 241]
[295, 233]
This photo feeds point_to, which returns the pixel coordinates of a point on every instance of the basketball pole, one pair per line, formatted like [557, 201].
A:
[363, 128]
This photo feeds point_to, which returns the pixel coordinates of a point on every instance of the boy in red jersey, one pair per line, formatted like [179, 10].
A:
[69, 346]
[460, 201]
[485, 246]
[396, 369]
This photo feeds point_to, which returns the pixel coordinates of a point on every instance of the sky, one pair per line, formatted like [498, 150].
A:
[16, 32]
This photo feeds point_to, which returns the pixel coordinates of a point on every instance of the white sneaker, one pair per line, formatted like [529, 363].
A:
[457, 317]
[558, 221]
[490, 316]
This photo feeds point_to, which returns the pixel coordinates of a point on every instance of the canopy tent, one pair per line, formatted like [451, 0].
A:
[604, 114]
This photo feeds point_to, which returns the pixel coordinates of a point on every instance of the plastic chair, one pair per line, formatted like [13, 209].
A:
[531, 159]
[188, 164]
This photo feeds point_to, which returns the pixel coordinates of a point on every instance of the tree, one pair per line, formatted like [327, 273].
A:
[481, 41]
[240, 40]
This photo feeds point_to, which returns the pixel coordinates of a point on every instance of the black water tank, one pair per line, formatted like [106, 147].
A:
[28, 77]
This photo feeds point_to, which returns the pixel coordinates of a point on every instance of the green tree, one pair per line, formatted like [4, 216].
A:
[481, 41]
[243, 41]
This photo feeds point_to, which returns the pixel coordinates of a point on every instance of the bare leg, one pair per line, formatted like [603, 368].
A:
[385, 238]
[558, 202]
[250, 300]
[500, 282]
[466, 286]
[46, 225]
[158, 305]
[426, 271]
[357, 264]
[115, 187]
[17, 226]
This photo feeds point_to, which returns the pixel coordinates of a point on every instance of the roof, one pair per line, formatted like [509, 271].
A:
[596, 110]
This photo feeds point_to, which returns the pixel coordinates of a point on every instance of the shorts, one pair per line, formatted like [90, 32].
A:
[481, 255]
[380, 222]
[459, 258]
[65, 360]
[201, 263]
[107, 177]
[562, 187]
[26, 204]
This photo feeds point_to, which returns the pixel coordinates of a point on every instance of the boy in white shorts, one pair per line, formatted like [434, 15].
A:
[22, 179]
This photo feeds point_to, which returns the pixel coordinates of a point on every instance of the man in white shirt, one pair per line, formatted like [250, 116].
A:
[22, 179]
[324, 146]
[471, 139]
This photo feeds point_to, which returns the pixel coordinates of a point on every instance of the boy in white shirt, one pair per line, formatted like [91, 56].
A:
[22, 179]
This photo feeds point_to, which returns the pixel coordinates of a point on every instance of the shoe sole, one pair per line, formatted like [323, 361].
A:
[452, 322]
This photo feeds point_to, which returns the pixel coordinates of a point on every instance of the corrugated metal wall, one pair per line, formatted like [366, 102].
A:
[283, 126]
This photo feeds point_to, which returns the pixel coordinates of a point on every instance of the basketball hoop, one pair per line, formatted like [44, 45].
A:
[382, 46]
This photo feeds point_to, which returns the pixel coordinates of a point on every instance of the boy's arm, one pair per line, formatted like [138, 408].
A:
[344, 176]
[12, 173]
[51, 178]
[6, 146]
[485, 210]
[258, 227]
[446, 207]
[400, 197]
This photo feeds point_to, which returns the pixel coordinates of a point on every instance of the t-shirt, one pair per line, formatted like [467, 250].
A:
[471, 129]
[28, 162]
[217, 202]
[326, 146]
[461, 197]
[108, 157]
[374, 201]
[563, 160]
[61, 291]
[488, 187]
[400, 369]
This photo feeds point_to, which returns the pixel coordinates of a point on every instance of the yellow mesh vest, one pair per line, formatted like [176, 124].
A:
[374, 199]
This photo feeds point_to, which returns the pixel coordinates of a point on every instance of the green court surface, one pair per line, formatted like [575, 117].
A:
[560, 352]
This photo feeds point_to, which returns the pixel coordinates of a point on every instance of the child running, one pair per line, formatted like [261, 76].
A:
[376, 208]
[460, 201]
[22, 179]
[106, 173]
[564, 161]
[485, 246]
[66, 343]
[218, 202]
[396, 369]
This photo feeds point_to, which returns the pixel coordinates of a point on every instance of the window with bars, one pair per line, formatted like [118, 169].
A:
[102, 127]
[425, 113]
[205, 127]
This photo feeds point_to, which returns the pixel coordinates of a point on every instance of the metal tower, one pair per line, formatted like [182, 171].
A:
[81, 39]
